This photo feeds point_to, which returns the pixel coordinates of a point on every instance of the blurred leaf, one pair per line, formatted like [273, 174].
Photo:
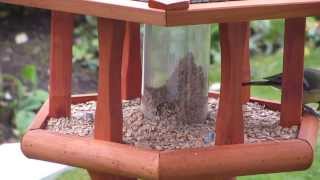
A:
[23, 119]
[29, 73]
[33, 101]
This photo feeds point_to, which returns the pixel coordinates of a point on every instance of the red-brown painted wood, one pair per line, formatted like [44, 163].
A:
[270, 104]
[246, 68]
[233, 38]
[169, 5]
[233, 41]
[208, 163]
[108, 123]
[309, 130]
[292, 82]
[85, 152]
[201, 13]
[131, 74]
[60, 64]
[40, 118]
[109, 113]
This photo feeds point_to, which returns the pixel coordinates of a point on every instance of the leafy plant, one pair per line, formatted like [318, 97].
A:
[25, 101]
[27, 107]
[85, 49]
[29, 75]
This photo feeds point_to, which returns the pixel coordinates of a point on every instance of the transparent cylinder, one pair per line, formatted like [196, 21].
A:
[175, 75]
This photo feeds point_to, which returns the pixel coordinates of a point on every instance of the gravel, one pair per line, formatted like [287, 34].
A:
[261, 124]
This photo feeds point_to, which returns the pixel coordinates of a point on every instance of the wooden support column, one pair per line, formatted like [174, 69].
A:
[131, 74]
[246, 73]
[292, 82]
[108, 123]
[60, 64]
[233, 40]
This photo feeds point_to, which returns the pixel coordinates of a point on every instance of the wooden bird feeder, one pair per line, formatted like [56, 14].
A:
[119, 42]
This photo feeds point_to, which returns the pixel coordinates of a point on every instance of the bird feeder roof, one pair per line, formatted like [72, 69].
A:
[180, 12]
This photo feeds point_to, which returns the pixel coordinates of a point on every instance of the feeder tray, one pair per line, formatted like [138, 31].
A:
[120, 78]
[126, 160]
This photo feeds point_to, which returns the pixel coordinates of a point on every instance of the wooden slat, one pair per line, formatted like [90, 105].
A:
[229, 127]
[246, 67]
[60, 64]
[131, 74]
[108, 122]
[236, 159]
[127, 10]
[246, 10]
[309, 130]
[40, 118]
[81, 98]
[97, 155]
[169, 4]
[273, 105]
[292, 80]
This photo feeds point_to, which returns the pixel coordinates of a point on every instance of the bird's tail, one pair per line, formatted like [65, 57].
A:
[258, 83]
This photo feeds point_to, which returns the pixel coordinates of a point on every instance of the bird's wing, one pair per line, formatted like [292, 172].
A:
[311, 79]
[306, 85]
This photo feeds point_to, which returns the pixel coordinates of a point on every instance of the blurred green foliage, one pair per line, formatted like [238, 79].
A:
[267, 37]
[22, 96]
[85, 48]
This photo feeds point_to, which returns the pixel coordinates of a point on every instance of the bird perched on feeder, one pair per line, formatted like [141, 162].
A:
[311, 87]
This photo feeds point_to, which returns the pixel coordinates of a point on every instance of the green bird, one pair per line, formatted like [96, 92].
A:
[311, 87]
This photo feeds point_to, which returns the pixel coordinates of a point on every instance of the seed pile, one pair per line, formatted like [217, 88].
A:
[261, 124]
[185, 89]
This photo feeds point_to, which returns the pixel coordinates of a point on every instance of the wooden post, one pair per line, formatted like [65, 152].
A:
[246, 73]
[108, 123]
[60, 64]
[292, 82]
[131, 74]
[233, 40]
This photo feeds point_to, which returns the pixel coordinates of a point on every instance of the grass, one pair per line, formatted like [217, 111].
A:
[261, 66]
[75, 174]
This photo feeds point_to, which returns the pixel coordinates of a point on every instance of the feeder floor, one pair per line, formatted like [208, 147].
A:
[261, 124]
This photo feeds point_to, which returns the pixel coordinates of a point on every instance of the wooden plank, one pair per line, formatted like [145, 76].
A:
[40, 118]
[309, 130]
[169, 4]
[236, 160]
[246, 73]
[236, 11]
[108, 122]
[81, 98]
[229, 126]
[292, 80]
[42, 115]
[97, 155]
[273, 105]
[131, 72]
[60, 64]
[127, 10]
